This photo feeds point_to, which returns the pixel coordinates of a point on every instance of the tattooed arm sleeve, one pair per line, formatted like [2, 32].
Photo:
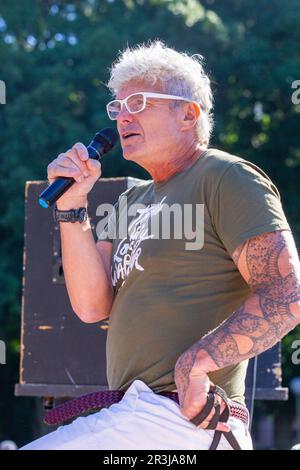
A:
[270, 265]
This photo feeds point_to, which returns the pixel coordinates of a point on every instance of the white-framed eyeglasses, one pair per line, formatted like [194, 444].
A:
[136, 103]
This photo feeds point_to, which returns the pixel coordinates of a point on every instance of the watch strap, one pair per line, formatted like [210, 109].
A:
[71, 215]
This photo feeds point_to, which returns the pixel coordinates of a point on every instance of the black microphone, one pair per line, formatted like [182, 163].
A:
[102, 143]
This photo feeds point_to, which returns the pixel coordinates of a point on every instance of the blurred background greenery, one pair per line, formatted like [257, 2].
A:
[55, 57]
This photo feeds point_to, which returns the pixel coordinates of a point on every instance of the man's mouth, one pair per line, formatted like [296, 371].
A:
[127, 135]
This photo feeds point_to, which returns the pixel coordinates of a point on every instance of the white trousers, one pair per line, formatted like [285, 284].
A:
[141, 420]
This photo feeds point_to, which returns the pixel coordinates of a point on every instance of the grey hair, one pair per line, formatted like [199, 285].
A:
[179, 73]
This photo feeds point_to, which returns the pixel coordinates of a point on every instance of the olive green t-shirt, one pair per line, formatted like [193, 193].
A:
[167, 296]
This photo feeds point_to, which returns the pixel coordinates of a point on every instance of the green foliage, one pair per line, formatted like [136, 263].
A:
[55, 58]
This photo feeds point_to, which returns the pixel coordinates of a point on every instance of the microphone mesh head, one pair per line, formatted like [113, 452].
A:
[107, 137]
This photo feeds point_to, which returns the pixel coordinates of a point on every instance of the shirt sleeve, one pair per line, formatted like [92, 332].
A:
[246, 204]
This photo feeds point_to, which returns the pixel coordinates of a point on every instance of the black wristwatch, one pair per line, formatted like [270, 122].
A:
[72, 215]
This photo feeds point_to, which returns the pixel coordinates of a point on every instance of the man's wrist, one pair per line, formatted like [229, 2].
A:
[69, 204]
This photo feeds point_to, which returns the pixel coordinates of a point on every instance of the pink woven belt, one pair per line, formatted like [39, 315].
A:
[101, 399]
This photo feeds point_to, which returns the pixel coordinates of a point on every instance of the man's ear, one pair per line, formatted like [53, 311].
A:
[191, 113]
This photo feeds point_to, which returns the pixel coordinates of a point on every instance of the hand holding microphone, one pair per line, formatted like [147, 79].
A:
[76, 171]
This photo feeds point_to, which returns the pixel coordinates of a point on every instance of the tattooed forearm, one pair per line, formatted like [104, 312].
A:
[183, 368]
[270, 265]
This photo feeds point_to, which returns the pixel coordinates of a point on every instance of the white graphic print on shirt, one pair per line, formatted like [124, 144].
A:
[127, 254]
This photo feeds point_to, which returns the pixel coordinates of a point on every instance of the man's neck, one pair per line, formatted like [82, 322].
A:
[163, 171]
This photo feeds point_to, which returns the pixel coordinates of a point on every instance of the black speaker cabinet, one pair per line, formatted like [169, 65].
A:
[60, 355]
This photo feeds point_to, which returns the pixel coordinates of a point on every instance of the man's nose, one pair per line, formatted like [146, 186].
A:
[124, 114]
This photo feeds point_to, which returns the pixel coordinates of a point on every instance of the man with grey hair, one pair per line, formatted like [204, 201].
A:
[179, 320]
